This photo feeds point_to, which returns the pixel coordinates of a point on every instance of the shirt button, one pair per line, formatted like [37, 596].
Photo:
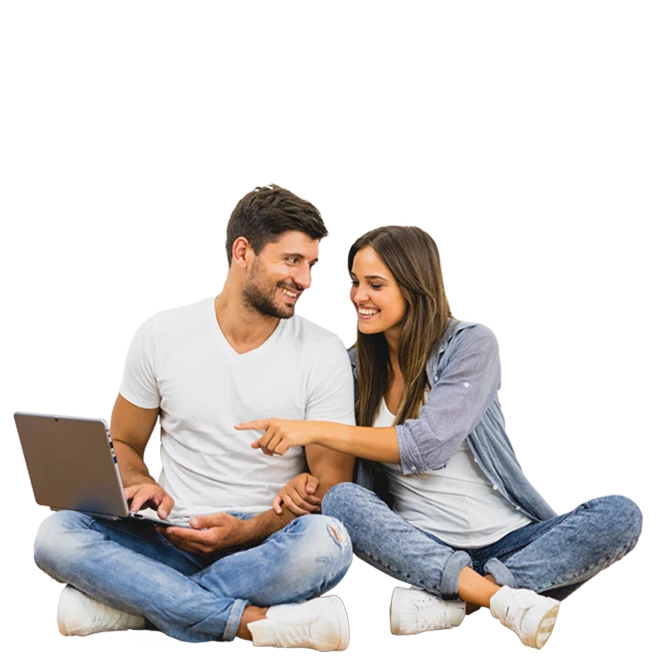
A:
[413, 468]
[495, 487]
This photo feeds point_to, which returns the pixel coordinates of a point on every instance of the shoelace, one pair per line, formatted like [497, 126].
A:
[299, 634]
[514, 613]
[425, 618]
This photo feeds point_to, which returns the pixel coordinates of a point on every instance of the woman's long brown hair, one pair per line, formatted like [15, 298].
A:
[412, 257]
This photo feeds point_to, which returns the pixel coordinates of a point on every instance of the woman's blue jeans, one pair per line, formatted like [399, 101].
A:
[553, 557]
[131, 567]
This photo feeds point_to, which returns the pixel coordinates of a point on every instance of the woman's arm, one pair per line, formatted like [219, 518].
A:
[378, 444]
[455, 405]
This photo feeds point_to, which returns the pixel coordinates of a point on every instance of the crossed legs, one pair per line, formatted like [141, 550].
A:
[134, 569]
[552, 558]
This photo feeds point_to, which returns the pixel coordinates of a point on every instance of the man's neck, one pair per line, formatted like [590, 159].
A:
[245, 329]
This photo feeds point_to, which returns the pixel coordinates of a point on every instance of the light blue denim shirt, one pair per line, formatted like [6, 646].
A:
[464, 373]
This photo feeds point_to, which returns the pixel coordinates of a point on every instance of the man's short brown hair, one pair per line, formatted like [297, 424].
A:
[262, 215]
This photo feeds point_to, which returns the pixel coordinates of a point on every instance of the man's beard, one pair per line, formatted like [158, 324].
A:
[256, 298]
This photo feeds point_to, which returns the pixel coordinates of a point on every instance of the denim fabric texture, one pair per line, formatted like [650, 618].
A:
[131, 567]
[553, 557]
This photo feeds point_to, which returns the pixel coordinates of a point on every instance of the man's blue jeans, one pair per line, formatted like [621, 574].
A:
[131, 567]
[553, 557]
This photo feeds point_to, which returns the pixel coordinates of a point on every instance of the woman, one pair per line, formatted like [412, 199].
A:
[467, 529]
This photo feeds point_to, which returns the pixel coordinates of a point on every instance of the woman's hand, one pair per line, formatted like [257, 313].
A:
[298, 496]
[280, 434]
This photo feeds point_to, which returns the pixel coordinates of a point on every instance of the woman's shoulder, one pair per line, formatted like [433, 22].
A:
[460, 338]
[461, 333]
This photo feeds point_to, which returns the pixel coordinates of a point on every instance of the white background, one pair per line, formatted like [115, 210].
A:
[519, 134]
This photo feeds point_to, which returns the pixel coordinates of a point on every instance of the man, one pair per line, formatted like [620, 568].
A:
[241, 568]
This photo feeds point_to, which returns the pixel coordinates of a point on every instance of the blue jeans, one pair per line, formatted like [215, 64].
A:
[553, 557]
[131, 567]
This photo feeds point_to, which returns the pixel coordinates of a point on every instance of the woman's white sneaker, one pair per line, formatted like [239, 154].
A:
[415, 611]
[320, 624]
[80, 615]
[530, 615]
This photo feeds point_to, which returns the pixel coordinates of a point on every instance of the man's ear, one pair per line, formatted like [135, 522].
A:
[242, 252]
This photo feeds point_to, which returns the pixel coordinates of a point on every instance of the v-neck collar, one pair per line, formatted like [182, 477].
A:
[266, 345]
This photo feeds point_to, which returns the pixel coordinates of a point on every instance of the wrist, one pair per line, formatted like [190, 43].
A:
[255, 529]
[139, 479]
[247, 530]
[324, 432]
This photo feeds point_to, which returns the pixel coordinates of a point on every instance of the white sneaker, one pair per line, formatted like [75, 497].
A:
[530, 615]
[415, 611]
[319, 624]
[80, 615]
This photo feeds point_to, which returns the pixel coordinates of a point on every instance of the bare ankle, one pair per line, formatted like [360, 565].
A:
[476, 589]
[250, 614]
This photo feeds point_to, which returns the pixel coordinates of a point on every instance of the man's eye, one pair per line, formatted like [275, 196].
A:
[354, 283]
[292, 260]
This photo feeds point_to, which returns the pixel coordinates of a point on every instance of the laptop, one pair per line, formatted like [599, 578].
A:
[72, 466]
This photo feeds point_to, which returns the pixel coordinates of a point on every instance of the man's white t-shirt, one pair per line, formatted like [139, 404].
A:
[181, 362]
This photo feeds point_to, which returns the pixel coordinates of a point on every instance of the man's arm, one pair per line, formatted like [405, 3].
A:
[131, 428]
[223, 531]
[329, 467]
[265, 524]
[331, 399]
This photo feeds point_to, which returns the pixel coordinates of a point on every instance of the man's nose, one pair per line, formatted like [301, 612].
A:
[303, 277]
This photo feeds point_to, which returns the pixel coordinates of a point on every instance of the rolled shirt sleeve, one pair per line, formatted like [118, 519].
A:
[469, 379]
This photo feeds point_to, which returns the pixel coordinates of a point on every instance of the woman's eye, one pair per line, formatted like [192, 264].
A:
[375, 286]
[354, 283]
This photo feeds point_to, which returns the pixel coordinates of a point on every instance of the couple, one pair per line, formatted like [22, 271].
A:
[443, 504]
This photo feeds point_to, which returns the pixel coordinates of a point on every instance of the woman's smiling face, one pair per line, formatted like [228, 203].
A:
[375, 294]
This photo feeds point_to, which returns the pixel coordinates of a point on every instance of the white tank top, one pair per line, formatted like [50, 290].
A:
[457, 503]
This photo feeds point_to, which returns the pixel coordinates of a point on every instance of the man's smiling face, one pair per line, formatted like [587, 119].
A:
[280, 273]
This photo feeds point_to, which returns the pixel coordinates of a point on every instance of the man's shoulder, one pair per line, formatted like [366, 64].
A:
[318, 349]
[310, 333]
[180, 314]
[182, 311]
